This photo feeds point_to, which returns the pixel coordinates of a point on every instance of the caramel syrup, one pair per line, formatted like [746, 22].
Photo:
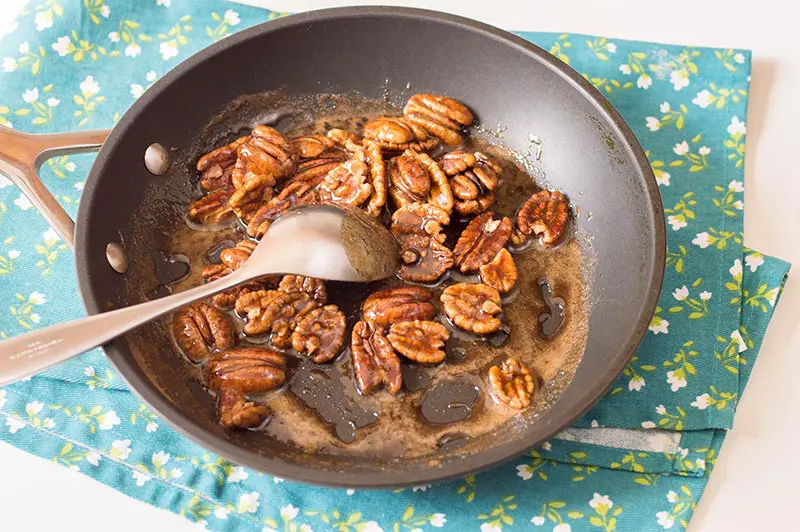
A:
[441, 406]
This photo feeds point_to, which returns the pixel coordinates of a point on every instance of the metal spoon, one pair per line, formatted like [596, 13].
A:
[315, 241]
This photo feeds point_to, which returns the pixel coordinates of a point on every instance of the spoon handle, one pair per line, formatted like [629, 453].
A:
[27, 354]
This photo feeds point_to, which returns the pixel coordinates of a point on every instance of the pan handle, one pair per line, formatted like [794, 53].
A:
[21, 156]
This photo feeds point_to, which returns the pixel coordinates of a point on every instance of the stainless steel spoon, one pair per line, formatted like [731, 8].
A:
[315, 241]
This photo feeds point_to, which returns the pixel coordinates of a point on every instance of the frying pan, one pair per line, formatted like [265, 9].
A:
[591, 154]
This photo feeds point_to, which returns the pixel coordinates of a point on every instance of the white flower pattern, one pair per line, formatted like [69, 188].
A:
[636, 384]
[62, 45]
[754, 261]
[676, 222]
[231, 17]
[737, 127]
[14, 425]
[30, 95]
[702, 402]
[676, 382]
[681, 293]
[123, 444]
[43, 20]
[248, 502]
[703, 99]
[108, 420]
[682, 148]
[664, 520]
[702, 240]
[289, 512]
[168, 49]
[89, 87]
[679, 79]
[120, 449]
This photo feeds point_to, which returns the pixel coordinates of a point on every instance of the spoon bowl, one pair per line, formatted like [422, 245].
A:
[325, 242]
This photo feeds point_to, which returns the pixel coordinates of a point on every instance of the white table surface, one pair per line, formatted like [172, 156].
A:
[754, 486]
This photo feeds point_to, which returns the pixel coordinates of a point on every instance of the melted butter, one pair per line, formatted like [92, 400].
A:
[393, 426]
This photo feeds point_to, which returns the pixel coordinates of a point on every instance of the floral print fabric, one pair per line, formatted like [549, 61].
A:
[636, 462]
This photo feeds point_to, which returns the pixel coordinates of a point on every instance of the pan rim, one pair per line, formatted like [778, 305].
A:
[480, 461]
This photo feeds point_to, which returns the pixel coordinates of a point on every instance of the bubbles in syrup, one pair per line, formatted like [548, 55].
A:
[170, 269]
[449, 401]
[550, 321]
[158, 292]
[415, 376]
[212, 255]
[321, 390]
[451, 440]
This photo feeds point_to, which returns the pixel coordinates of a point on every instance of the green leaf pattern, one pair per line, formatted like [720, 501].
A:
[686, 105]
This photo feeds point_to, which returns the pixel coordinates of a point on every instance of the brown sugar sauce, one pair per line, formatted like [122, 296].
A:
[320, 409]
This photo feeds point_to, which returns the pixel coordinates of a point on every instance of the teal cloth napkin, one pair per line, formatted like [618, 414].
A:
[638, 461]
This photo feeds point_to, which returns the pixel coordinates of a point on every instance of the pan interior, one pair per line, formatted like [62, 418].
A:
[389, 426]
[587, 153]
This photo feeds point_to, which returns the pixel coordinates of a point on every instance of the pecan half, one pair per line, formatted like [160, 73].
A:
[545, 213]
[213, 272]
[253, 192]
[264, 159]
[416, 178]
[480, 241]
[313, 171]
[227, 299]
[267, 152]
[216, 166]
[292, 312]
[393, 134]
[440, 116]
[224, 299]
[237, 372]
[297, 283]
[377, 170]
[420, 218]
[348, 183]
[512, 383]
[247, 369]
[473, 178]
[425, 259]
[200, 329]
[236, 412]
[420, 341]
[275, 311]
[410, 182]
[320, 334]
[405, 303]
[234, 257]
[473, 307]
[212, 208]
[312, 146]
[501, 272]
[260, 308]
[293, 195]
[344, 139]
[374, 360]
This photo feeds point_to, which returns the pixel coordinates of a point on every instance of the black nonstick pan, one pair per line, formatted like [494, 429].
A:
[590, 154]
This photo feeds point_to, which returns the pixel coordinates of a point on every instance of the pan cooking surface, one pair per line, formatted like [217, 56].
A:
[319, 408]
[588, 153]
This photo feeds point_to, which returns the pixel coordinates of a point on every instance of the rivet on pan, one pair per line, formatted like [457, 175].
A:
[116, 257]
[156, 159]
